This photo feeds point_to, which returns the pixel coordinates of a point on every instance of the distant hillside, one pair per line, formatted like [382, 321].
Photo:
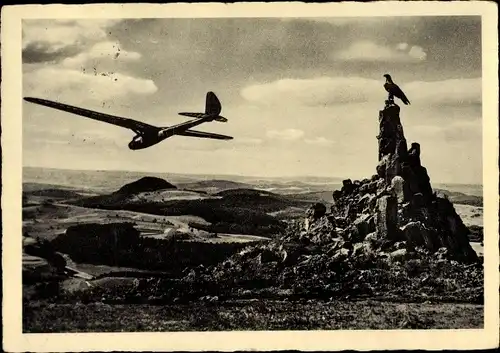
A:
[249, 193]
[461, 198]
[213, 186]
[29, 187]
[145, 184]
[467, 189]
[313, 196]
[263, 201]
[240, 211]
[53, 193]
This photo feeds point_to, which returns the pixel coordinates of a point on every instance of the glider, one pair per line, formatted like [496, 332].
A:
[149, 135]
[394, 90]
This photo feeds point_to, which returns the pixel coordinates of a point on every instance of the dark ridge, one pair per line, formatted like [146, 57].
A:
[145, 184]
[56, 193]
[242, 192]
[214, 183]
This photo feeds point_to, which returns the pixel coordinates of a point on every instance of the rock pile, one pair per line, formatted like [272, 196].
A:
[398, 203]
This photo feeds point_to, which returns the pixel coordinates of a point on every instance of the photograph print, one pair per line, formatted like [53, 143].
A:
[252, 173]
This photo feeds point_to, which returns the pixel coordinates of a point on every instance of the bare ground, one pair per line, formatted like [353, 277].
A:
[249, 315]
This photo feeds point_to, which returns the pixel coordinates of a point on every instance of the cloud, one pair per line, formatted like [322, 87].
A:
[402, 46]
[101, 51]
[458, 131]
[320, 141]
[417, 53]
[370, 51]
[446, 92]
[61, 33]
[287, 134]
[330, 91]
[49, 40]
[464, 132]
[66, 84]
[80, 64]
[37, 52]
[313, 92]
[248, 141]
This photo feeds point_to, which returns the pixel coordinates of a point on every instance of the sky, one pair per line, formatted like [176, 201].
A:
[302, 95]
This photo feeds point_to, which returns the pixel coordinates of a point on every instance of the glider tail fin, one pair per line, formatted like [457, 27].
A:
[212, 104]
[212, 109]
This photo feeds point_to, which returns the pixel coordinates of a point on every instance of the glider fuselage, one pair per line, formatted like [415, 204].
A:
[145, 140]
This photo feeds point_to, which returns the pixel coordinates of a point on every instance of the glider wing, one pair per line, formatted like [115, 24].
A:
[202, 134]
[110, 119]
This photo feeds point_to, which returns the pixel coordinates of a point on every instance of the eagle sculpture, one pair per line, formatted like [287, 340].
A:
[394, 90]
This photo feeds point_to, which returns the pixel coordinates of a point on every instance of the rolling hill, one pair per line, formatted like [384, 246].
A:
[462, 198]
[145, 184]
[235, 211]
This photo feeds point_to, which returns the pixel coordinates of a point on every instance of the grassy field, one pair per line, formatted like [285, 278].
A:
[48, 221]
[249, 315]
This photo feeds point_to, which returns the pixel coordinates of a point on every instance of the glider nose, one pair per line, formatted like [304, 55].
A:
[136, 143]
[133, 145]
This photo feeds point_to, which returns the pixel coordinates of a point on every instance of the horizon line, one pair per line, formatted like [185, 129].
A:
[233, 175]
[187, 173]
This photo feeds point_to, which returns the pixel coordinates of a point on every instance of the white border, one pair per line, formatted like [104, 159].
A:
[14, 340]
